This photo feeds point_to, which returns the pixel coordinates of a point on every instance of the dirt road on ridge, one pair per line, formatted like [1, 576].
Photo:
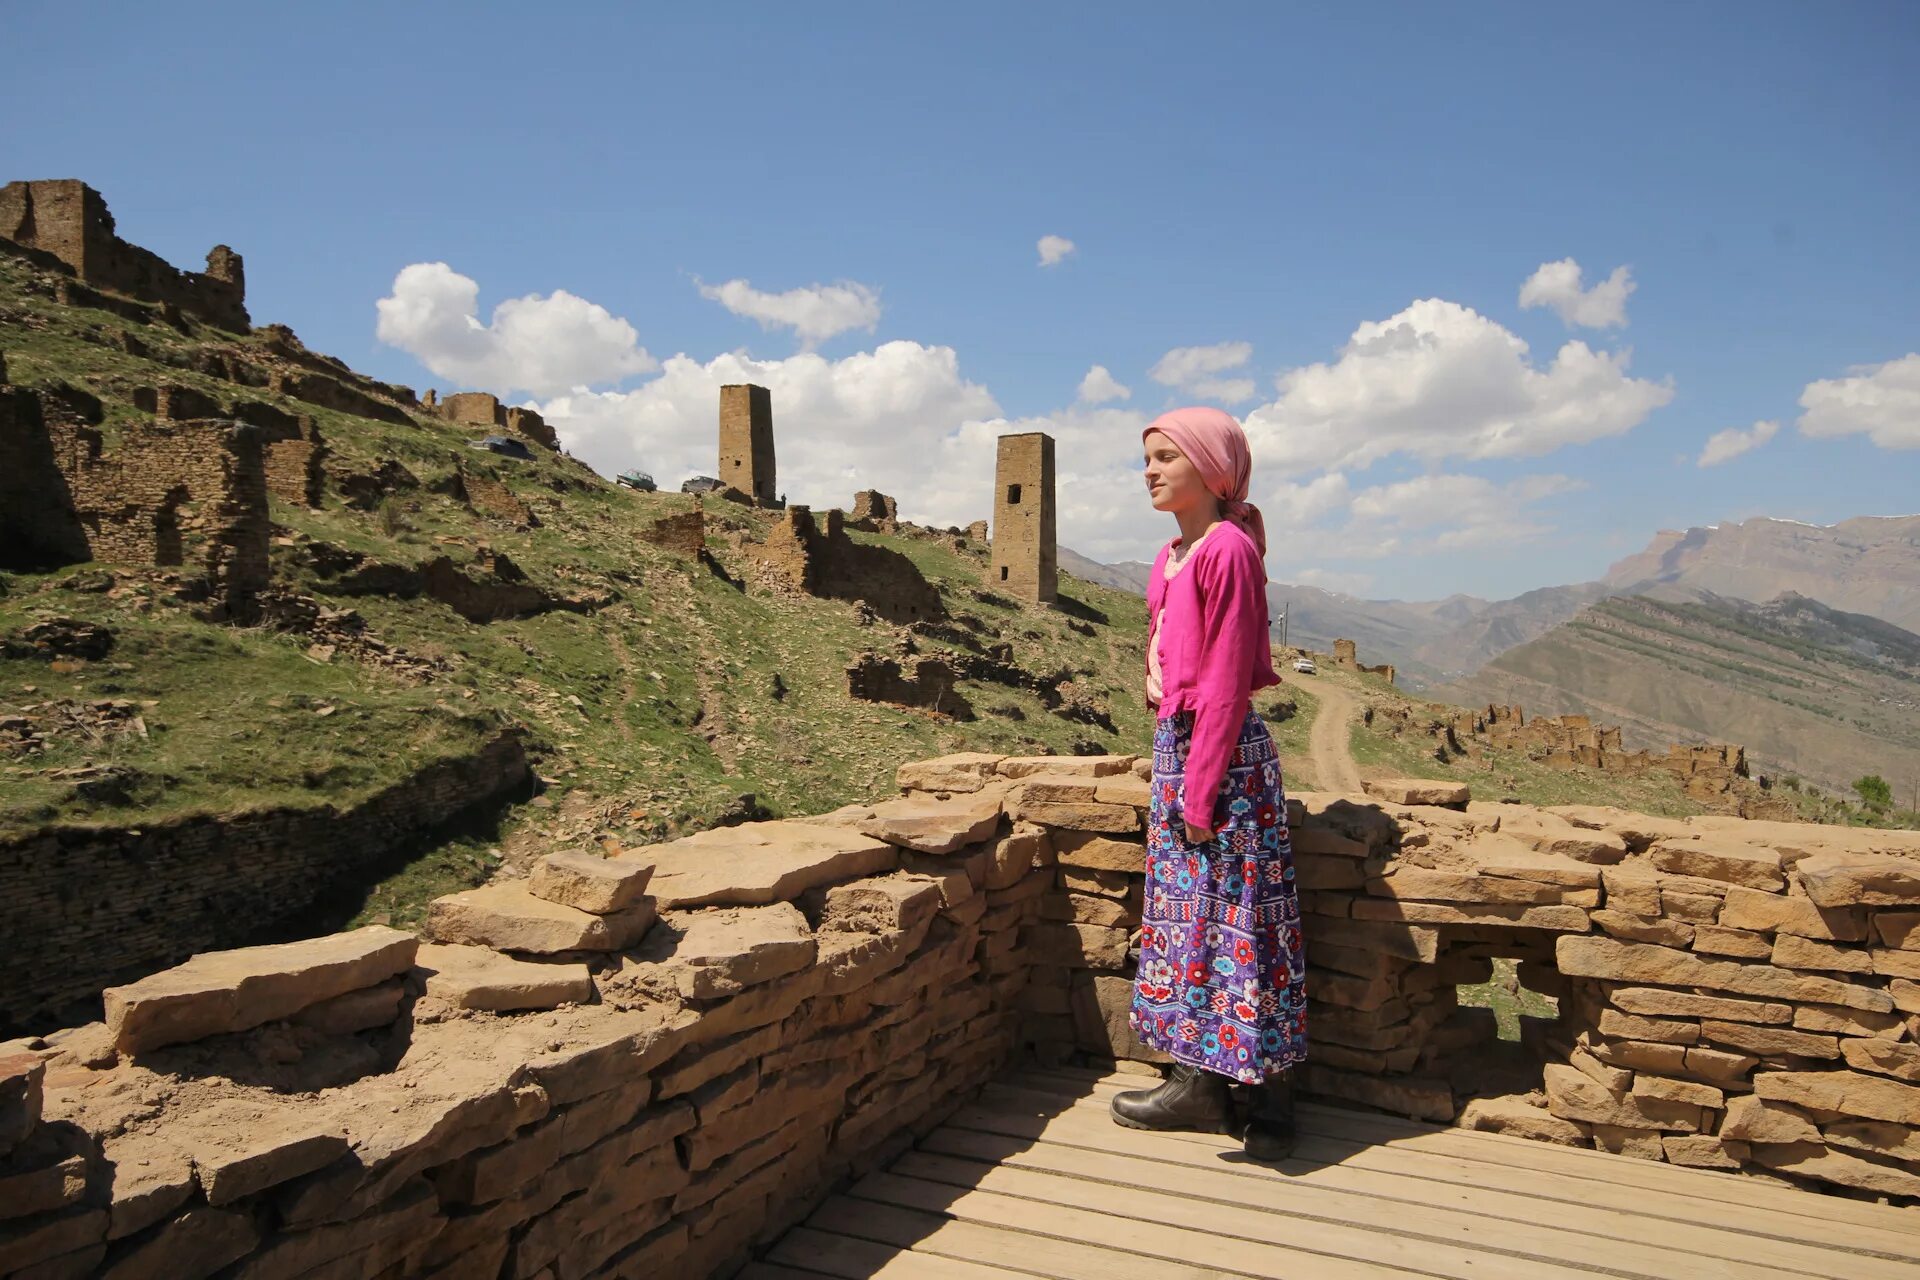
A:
[1334, 768]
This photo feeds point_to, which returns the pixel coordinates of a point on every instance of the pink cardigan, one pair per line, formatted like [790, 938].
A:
[1214, 649]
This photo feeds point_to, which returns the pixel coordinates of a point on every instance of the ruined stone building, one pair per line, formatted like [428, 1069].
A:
[1025, 561]
[1345, 654]
[746, 442]
[481, 409]
[69, 221]
[817, 557]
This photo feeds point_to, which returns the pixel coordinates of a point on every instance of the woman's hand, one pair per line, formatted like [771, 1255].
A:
[1197, 834]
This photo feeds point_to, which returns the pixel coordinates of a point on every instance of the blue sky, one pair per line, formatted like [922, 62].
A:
[1270, 176]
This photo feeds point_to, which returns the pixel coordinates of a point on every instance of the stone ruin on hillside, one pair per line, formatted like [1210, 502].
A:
[480, 409]
[746, 443]
[1026, 554]
[1345, 654]
[68, 221]
[652, 1064]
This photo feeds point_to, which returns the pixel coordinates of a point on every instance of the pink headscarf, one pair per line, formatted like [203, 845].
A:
[1217, 447]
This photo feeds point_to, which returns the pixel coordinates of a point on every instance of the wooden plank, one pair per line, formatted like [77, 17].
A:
[1163, 1241]
[930, 1234]
[847, 1258]
[1418, 1177]
[1820, 1214]
[1258, 1224]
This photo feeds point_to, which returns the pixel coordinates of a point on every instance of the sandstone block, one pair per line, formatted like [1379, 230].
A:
[1119, 819]
[1313, 872]
[1421, 1098]
[1510, 1115]
[1407, 941]
[45, 1174]
[28, 1245]
[757, 863]
[197, 1243]
[506, 917]
[1110, 884]
[1712, 939]
[356, 1010]
[881, 904]
[1641, 1144]
[21, 1090]
[1452, 886]
[589, 882]
[1091, 851]
[1905, 995]
[1895, 964]
[1770, 1041]
[1632, 888]
[1654, 1002]
[1754, 1119]
[1793, 952]
[1633, 928]
[1612, 1079]
[1640, 1055]
[1703, 1151]
[1573, 1096]
[1718, 1064]
[1700, 1095]
[962, 771]
[1868, 1097]
[927, 825]
[481, 978]
[1546, 833]
[1713, 857]
[1816, 1160]
[1899, 929]
[1627, 1026]
[223, 991]
[1081, 908]
[724, 950]
[1494, 854]
[1694, 908]
[1014, 855]
[1076, 946]
[1566, 919]
[1073, 766]
[1450, 795]
[1099, 1003]
[149, 1179]
[1859, 879]
[1895, 1141]
[1126, 790]
[1889, 1058]
[1848, 1022]
[1635, 962]
[1326, 842]
[241, 1148]
[1789, 913]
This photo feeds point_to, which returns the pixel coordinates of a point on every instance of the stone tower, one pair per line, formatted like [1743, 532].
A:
[1025, 560]
[746, 441]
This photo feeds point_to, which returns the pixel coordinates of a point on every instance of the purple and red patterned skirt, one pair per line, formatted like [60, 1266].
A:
[1222, 978]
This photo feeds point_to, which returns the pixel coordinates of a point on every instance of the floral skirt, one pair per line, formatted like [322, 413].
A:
[1222, 979]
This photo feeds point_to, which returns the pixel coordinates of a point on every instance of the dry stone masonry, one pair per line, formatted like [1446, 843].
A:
[643, 1065]
[1026, 555]
[746, 442]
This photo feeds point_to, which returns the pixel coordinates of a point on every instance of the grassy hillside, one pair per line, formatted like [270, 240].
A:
[650, 715]
[1809, 691]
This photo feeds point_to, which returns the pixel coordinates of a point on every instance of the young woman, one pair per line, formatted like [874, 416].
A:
[1221, 984]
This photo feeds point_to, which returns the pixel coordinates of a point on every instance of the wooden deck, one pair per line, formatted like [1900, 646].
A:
[1035, 1180]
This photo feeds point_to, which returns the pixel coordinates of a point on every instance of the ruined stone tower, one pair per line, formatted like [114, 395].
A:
[746, 441]
[1025, 560]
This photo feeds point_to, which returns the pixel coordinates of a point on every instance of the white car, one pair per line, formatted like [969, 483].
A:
[1304, 666]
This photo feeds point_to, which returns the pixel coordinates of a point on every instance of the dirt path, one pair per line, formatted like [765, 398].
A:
[1334, 768]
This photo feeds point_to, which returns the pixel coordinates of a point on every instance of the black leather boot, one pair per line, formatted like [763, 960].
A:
[1270, 1131]
[1192, 1100]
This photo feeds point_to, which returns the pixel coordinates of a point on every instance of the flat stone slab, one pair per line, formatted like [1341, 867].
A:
[1446, 795]
[589, 881]
[723, 951]
[1077, 766]
[759, 862]
[481, 978]
[1716, 857]
[1860, 879]
[881, 904]
[508, 918]
[962, 771]
[927, 825]
[1548, 833]
[222, 991]
[21, 1077]
[1494, 854]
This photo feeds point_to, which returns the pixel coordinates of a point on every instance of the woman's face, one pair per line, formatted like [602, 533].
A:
[1173, 482]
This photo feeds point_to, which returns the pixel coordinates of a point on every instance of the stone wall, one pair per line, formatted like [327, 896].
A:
[818, 557]
[69, 220]
[648, 1064]
[1026, 555]
[115, 902]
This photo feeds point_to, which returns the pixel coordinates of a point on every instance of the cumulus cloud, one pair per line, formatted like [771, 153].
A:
[1724, 446]
[884, 419]
[1054, 250]
[1557, 285]
[1879, 401]
[814, 312]
[1423, 515]
[1440, 380]
[1099, 387]
[1198, 369]
[535, 344]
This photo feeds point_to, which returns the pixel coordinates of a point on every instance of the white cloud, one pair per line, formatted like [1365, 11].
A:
[815, 312]
[883, 419]
[537, 344]
[1338, 581]
[1196, 370]
[1054, 250]
[1440, 380]
[1099, 386]
[1881, 401]
[1427, 514]
[1724, 446]
[1557, 285]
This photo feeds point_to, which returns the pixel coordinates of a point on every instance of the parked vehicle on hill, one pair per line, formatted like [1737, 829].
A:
[503, 445]
[637, 480]
[1305, 666]
[700, 484]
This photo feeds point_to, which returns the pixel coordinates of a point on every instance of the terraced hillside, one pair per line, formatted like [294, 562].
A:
[1808, 690]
